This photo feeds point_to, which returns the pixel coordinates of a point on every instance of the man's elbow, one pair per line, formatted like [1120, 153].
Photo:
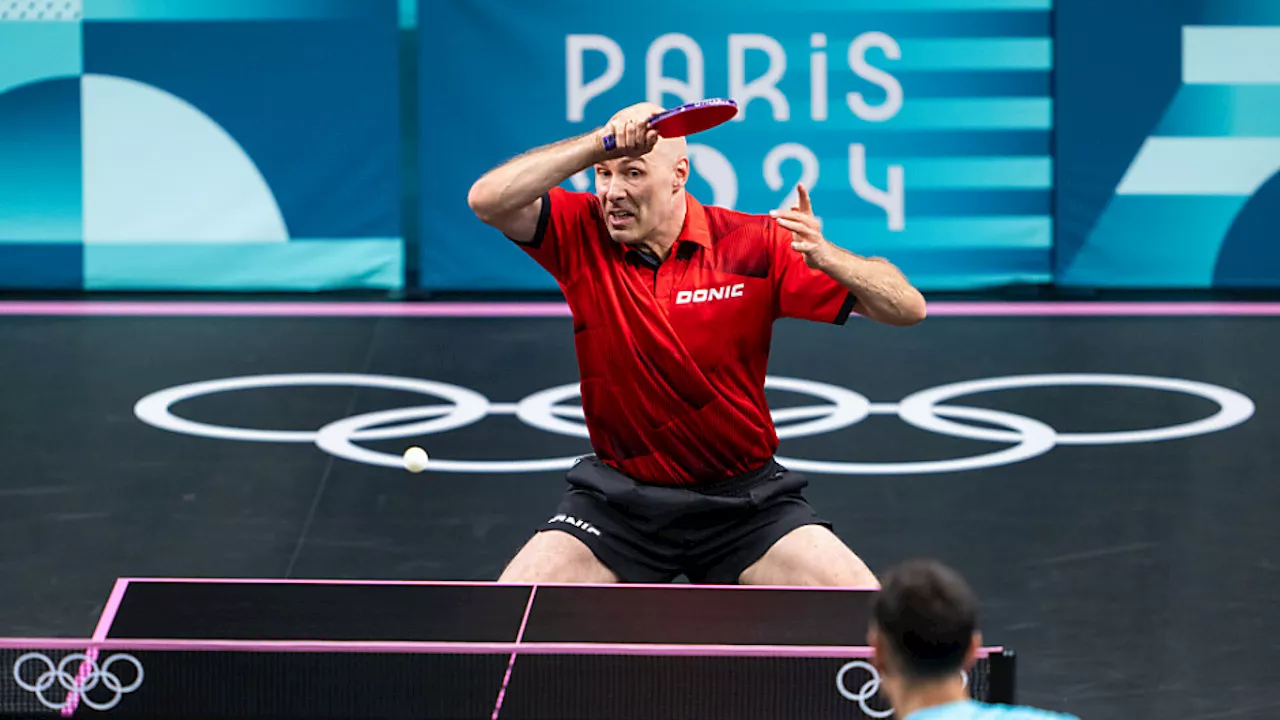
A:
[485, 200]
[911, 312]
[481, 201]
[915, 310]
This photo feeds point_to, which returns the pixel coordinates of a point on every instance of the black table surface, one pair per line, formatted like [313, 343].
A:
[488, 612]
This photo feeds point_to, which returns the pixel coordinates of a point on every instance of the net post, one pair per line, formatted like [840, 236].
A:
[1003, 678]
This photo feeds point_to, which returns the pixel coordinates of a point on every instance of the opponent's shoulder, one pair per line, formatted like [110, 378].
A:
[974, 710]
[1019, 712]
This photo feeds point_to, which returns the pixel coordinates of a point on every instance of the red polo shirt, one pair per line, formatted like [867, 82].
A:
[672, 356]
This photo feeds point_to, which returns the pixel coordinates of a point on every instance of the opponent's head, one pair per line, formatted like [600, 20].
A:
[643, 197]
[924, 624]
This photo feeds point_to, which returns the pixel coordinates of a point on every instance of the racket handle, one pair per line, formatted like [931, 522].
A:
[611, 141]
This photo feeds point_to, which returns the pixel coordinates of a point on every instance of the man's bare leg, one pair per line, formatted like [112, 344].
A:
[553, 556]
[810, 556]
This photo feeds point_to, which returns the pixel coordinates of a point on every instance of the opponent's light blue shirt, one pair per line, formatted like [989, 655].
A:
[973, 710]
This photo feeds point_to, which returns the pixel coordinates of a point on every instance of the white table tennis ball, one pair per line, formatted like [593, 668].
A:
[415, 459]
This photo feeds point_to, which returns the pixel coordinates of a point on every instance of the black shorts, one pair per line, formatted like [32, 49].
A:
[653, 533]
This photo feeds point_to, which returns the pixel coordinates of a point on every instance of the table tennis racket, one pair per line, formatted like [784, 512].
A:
[688, 119]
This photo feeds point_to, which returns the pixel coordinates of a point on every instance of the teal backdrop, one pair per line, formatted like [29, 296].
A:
[1168, 144]
[923, 127]
[200, 145]
[304, 145]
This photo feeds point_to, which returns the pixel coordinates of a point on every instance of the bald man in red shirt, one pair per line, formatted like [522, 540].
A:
[673, 307]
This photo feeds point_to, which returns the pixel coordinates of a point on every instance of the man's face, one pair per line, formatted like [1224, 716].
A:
[639, 194]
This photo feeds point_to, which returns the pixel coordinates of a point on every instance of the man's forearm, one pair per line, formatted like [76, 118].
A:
[525, 178]
[883, 292]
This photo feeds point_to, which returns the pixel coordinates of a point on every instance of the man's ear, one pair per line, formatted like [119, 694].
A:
[681, 175]
[879, 649]
[975, 644]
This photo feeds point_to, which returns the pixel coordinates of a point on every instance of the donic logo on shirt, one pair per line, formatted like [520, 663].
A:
[701, 295]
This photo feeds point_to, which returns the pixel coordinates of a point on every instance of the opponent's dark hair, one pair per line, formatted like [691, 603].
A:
[928, 614]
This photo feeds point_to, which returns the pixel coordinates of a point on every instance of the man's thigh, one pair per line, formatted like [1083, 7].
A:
[810, 555]
[598, 534]
[553, 556]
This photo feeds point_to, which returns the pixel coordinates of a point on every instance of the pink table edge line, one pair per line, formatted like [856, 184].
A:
[511, 662]
[72, 699]
[526, 648]
[479, 583]
[560, 309]
[108, 616]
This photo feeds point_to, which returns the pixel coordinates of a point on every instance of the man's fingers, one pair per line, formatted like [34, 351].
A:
[803, 194]
[807, 249]
[636, 137]
[795, 226]
[651, 138]
[796, 216]
[791, 214]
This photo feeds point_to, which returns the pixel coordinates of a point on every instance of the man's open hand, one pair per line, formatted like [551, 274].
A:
[806, 231]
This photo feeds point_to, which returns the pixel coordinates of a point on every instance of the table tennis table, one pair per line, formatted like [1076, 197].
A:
[244, 648]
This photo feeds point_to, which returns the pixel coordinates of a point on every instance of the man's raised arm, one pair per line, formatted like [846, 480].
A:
[509, 197]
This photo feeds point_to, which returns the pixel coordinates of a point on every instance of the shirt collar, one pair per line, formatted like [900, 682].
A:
[695, 228]
[947, 711]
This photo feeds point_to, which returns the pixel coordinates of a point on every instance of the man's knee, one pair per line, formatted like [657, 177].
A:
[555, 556]
[810, 555]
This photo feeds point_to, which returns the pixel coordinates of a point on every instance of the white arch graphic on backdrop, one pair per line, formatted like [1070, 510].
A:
[157, 169]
